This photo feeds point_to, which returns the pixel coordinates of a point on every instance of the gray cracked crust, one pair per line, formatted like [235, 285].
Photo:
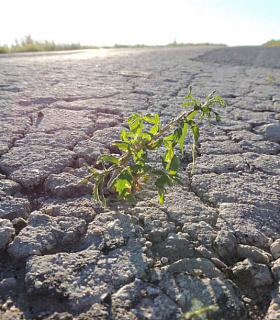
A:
[215, 241]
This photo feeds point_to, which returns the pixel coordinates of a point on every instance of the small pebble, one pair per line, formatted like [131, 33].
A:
[144, 249]
[7, 283]
[38, 284]
[9, 303]
[275, 249]
[36, 252]
[218, 263]
[19, 222]
[164, 260]
[181, 300]
[197, 272]
[147, 220]
[142, 240]
[49, 247]
[275, 307]
[124, 277]
[81, 162]
[148, 244]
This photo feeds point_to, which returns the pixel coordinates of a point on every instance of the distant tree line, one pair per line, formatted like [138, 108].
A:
[30, 45]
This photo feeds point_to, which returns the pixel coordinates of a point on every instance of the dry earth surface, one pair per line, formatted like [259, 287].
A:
[215, 241]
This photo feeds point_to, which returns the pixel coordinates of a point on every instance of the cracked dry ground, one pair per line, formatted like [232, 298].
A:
[216, 240]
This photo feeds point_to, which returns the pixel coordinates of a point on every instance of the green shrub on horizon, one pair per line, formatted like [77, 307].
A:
[29, 45]
[123, 46]
[189, 44]
[4, 49]
[272, 43]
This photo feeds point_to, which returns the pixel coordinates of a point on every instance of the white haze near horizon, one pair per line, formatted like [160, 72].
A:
[150, 22]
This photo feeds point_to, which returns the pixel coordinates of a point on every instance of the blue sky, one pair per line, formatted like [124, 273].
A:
[152, 22]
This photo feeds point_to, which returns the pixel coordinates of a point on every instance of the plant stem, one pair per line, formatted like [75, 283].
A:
[171, 124]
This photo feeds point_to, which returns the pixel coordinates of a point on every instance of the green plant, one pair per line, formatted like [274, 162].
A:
[124, 173]
[198, 311]
[271, 78]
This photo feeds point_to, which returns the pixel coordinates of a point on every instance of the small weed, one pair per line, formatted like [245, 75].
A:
[125, 173]
[271, 78]
[198, 311]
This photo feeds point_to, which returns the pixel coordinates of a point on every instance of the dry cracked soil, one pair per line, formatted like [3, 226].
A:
[216, 239]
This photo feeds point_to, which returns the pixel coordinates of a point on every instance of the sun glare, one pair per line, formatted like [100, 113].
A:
[102, 52]
[86, 54]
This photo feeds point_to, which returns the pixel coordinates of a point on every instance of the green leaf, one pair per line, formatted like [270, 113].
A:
[168, 141]
[162, 180]
[157, 119]
[218, 118]
[151, 119]
[169, 137]
[177, 180]
[124, 136]
[163, 162]
[158, 172]
[129, 197]
[174, 165]
[206, 111]
[101, 188]
[133, 117]
[96, 192]
[177, 135]
[195, 132]
[122, 145]
[154, 129]
[182, 138]
[189, 96]
[94, 173]
[155, 144]
[192, 115]
[168, 155]
[84, 180]
[135, 125]
[161, 195]
[124, 183]
[147, 136]
[140, 156]
[139, 169]
[219, 100]
[109, 159]
[190, 101]
[209, 96]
